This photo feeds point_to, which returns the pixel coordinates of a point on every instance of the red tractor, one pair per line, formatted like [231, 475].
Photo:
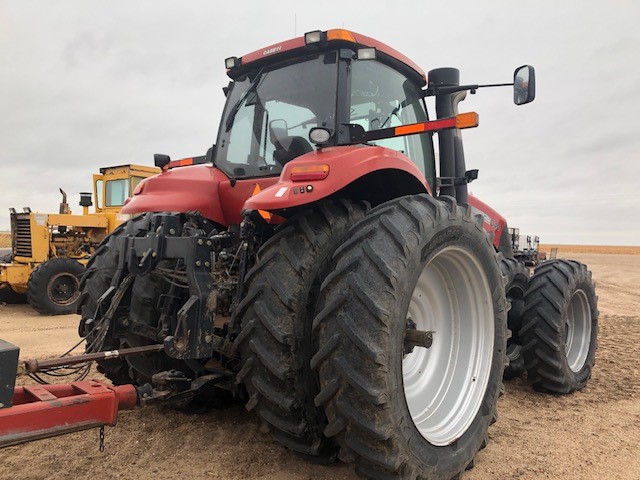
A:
[324, 267]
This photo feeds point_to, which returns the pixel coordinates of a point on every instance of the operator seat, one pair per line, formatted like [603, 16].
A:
[287, 147]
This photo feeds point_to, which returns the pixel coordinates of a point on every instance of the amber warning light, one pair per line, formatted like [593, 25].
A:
[305, 173]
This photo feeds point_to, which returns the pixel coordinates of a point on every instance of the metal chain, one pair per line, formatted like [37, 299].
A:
[102, 438]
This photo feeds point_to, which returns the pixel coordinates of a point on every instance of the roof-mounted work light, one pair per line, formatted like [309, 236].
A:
[313, 37]
[366, 53]
[231, 62]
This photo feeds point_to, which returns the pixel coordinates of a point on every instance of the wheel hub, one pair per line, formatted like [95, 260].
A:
[578, 331]
[445, 384]
[64, 288]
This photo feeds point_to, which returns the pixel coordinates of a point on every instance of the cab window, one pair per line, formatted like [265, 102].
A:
[116, 192]
[382, 97]
[134, 182]
[99, 192]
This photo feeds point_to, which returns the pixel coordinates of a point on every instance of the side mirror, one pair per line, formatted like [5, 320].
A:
[524, 85]
[210, 154]
[160, 160]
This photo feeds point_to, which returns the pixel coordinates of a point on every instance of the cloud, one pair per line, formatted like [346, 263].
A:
[89, 84]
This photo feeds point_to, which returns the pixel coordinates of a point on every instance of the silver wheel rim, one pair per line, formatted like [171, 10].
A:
[444, 385]
[578, 331]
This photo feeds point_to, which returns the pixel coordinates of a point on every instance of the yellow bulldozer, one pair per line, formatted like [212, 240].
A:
[49, 251]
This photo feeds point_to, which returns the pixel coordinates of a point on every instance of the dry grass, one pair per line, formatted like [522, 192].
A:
[5, 239]
[607, 249]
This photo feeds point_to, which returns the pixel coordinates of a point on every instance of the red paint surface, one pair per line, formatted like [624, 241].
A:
[493, 221]
[181, 190]
[40, 411]
[346, 164]
[198, 187]
[233, 198]
[276, 49]
[298, 42]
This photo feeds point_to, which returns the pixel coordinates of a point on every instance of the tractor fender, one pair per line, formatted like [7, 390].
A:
[180, 190]
[362, 172]
[492, 221]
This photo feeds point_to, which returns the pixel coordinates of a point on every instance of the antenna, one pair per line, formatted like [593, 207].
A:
[295, 24]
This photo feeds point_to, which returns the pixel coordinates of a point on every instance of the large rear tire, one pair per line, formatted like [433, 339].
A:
[99, 272]
[560, 326]
[276, 343]
[517, 276]
[407, 411]
[54, 286]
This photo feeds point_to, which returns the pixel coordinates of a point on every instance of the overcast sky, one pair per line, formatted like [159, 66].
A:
[85, 84]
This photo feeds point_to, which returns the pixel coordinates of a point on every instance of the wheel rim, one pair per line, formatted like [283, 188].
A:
[578, 330]
[445, 384]
[64, 289]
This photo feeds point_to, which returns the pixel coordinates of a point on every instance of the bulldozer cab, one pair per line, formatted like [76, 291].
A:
[115, 184]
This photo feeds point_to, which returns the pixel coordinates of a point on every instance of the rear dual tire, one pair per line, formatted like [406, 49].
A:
[517, 275]
[276, 342]
[426, 413]
[99, 273]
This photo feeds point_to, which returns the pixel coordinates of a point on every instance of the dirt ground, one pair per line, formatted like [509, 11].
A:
[593, 434]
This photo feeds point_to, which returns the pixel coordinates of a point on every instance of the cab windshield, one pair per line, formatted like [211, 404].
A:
[269, 113]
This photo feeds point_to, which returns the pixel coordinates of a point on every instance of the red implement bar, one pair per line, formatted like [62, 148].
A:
[41, 411]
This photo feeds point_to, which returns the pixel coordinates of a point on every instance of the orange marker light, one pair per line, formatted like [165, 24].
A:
[467, 120]
[180, 163]
[302, 173]
[340, 34]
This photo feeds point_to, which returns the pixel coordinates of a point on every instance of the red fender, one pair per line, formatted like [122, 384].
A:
[346, 165]
[492, 221]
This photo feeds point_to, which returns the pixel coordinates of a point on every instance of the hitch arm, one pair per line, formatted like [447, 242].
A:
[41, 411]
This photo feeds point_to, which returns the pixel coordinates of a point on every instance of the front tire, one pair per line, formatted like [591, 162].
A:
[424, 264]
[560, 326]
[54, 286]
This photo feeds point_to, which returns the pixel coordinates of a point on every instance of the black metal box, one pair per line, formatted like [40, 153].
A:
[8, 367]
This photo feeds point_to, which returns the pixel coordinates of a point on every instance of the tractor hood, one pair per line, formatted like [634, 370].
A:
[199, 187]
[180, 190]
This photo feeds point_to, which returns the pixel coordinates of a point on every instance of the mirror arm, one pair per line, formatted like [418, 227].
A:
[495, 85]
[434, 90]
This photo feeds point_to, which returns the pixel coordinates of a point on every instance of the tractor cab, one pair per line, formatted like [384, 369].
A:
[316, 92]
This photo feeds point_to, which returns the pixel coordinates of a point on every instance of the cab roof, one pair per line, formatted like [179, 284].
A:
[330, 38]
[132, 167]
